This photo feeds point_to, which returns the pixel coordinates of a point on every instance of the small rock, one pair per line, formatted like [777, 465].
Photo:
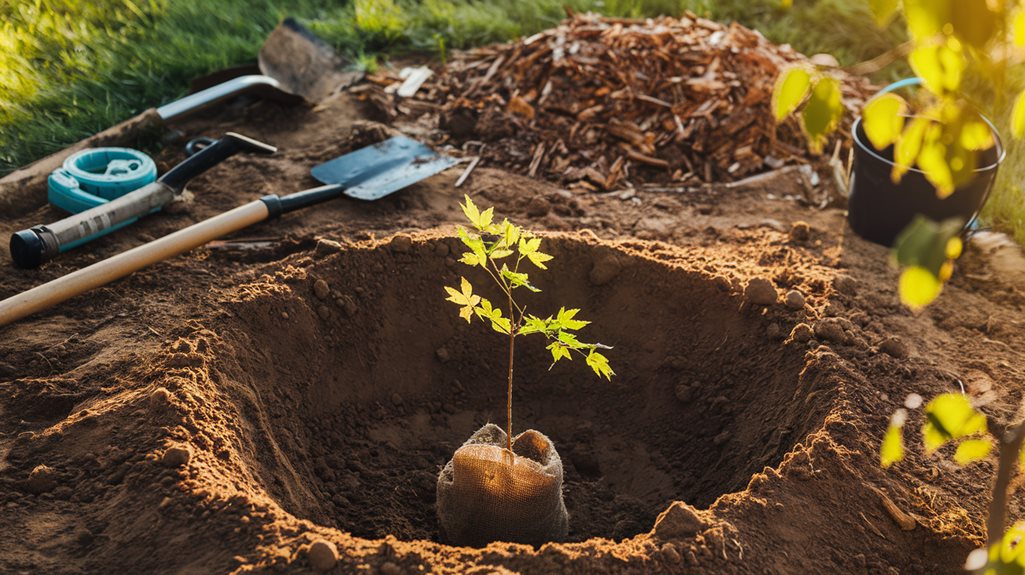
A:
[389, 568]
[442, 355]
[327, 247]
[604, 270]
[323, 555]
[680, 521]
[42, 479]
[795, 299]
[401, 243]
[396, 399]
[284, 315]
[845, 285]
[349, 306]
[324, 312]
[538, 207]
[441, 249]
[894, 346]
[801, 333]
[321, 289]
[177, 455]
[760, 291]
[830, 329]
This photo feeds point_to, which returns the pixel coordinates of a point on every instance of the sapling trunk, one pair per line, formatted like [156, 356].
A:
[1009, 442]
[508, 402]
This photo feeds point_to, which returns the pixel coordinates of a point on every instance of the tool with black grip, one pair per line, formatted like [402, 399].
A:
[31, 247]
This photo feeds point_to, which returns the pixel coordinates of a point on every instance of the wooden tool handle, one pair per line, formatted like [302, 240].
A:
[103, 272]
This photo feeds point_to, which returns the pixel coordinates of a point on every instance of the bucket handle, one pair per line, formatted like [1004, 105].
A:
[913, 81]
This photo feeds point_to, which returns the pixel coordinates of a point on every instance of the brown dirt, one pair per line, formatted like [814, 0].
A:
[213, 414]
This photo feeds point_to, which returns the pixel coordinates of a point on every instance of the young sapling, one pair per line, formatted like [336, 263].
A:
[500, 249]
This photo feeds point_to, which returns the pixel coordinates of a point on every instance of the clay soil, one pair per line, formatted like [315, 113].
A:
[305, 381]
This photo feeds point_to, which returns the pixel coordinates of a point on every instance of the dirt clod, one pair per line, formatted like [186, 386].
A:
[604, 270]
[321, 289]
[795, 300]
[389, 568]
[160, 398]
[800, 232]
[830, 329]
[42, 479]
[845, 285]
[760, 291]
[679, 521]
[323, 555]
[801, 333]
[401, 243]
[326, 247]
[894, 346]
[177, 455]
[324, 312]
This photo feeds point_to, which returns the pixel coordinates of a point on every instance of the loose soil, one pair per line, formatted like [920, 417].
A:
[304, 382]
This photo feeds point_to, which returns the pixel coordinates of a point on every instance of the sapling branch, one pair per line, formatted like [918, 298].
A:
[488, 242]
[1009, 443]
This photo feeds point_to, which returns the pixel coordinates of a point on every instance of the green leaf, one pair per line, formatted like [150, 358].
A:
[950, 416]
[883, 119]
[790, 90]
[918, 287]
[823, 112]
[883, 11]
[533, 324]
[972, 450]
[600, 364]
[1018, 117]
[476, 244]
[464, 298]
[892, 449]
[470, 259]
[501, 253]
[570, 340]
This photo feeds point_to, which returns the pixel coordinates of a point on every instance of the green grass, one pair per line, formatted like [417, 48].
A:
[70, 68]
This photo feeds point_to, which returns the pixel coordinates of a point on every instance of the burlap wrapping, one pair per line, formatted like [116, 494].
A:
[487, 494]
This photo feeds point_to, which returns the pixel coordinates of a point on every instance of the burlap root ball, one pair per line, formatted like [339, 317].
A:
[486, 494]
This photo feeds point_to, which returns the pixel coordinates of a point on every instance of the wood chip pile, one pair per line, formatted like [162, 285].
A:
[602, 103]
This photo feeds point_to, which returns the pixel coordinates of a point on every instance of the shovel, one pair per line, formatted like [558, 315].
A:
[295, 67]
[370, 174]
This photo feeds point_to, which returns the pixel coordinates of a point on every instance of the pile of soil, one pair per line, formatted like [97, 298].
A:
[604, 103]
[282, 401]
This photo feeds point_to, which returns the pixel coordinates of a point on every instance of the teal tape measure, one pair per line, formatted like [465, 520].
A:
[96, 176]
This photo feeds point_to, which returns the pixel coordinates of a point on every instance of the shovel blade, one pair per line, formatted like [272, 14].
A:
[375, 171]
[303, 64]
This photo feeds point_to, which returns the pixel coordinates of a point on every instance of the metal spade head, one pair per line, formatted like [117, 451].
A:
[373, 172]
[303, 64]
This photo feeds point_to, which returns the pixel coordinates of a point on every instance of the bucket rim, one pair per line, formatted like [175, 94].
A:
[868, 148]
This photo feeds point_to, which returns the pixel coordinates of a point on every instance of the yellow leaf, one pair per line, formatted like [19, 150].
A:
[932, 159]
[791, 88]
[906, 149]
[926, 18]
[976, 135]
[953, 248]
[972, 450]
[883, 119]
[950, 416]
[1019, 28]
[918, 287]
[464, 298]
[823, 112]
[892, 449]
[939, 65]
[470, 210]
[1018, 117]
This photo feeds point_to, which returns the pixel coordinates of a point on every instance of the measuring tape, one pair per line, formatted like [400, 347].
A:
[96, 176]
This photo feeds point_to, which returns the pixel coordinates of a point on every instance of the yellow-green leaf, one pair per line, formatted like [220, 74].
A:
[464, 298]
[565, 319]
[559, 351]
[883, 119]
[1018, 117]
[976, 135]
[950, 416]
[501, 253]
[918, 287]
[972, 450]
[883, 11]
[905, 151]
[926, 18]
[790, 90]
[470, 210]
[953, 248]
[822, 113]
[932, 159]
[600, 364]
[892, 449]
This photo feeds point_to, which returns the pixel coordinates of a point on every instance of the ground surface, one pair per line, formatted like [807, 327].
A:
[219, 412]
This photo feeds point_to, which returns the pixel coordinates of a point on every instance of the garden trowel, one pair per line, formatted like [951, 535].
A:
[368, 174]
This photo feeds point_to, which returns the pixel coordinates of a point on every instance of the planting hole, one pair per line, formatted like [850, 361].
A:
[356, 399]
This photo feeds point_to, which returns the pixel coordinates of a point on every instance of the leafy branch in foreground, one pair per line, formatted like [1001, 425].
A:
[951, 418]
[500, 249]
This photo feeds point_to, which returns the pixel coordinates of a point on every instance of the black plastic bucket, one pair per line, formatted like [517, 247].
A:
[879, 209]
